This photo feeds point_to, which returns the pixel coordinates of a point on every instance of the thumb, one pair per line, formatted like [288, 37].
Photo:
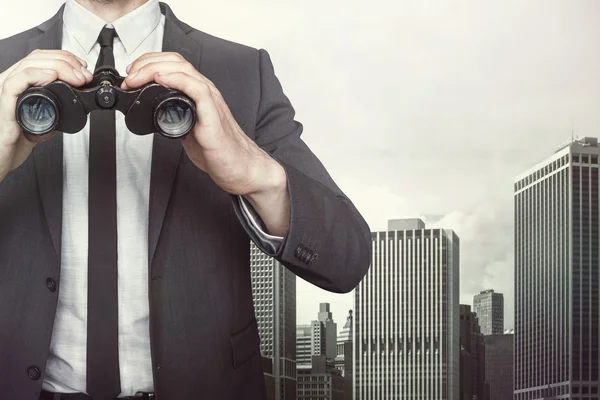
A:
[193, 151]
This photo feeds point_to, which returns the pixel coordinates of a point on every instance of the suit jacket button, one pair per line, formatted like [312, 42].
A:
[34, 373]
[51, 284]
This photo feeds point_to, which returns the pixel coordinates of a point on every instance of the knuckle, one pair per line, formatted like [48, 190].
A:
[175, 56]
[203, 88]
[72, 59]
[63, 64]
[10, 82]
[189, 69]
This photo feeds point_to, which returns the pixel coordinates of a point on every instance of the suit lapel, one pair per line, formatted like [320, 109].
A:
[48, 156]
[166, 153]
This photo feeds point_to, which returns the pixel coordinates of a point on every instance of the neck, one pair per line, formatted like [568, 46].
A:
[111, 10]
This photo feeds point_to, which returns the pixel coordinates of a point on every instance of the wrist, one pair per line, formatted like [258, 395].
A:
[271, 181]
[271, 200]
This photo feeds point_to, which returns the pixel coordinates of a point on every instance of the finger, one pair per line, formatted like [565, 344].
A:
[224, 110]
[75, 61]
[64, 69]
[146, 73]
[17, 84]
[61, 54]
[153, 57]
[199, 92]
[71, 58]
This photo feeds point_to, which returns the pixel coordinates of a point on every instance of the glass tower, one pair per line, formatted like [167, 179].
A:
[557, 276]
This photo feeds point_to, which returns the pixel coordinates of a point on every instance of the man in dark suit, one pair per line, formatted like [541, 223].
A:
[171, 317]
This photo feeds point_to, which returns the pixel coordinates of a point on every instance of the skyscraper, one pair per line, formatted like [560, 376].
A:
[499, 365]
[406, 321]
[472, 357]
[330, 330]
[343, 360]
[274, 293]
[557, 275]
[310, 341]
[303, 346]
[489, 307]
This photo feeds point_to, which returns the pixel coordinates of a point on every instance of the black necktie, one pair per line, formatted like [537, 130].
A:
[103, 378]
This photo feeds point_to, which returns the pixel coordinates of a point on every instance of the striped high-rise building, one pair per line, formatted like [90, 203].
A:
[557, 272]
[406, 322]
[274, 293]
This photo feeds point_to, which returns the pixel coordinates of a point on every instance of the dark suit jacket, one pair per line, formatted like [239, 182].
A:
[204, 335]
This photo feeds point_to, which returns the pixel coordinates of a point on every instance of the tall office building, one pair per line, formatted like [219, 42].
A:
[303, 345]
[406, 322]
[472, 357]
[274, 293]
[326, 319]
[310, 341]
[489, 307]
[343, 360]
[499, 365]
[557, 275]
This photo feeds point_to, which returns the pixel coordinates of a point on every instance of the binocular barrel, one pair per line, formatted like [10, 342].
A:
[58, 106]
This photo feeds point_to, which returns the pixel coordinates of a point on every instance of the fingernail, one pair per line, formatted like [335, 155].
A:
[86, 72]
[128, 68]
[132, 75]
[49, 71]
[78, 74]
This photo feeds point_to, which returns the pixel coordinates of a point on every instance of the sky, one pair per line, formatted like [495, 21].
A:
[420, 108]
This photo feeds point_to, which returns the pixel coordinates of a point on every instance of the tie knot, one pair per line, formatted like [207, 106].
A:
[106, 37]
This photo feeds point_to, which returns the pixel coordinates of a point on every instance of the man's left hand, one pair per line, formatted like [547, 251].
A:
[217, 145]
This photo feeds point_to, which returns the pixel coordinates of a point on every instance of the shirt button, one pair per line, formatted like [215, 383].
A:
[51, 284]
[34, 373]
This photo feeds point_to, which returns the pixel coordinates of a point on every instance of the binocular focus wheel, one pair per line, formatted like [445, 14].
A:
[37, 112]
[175, 117]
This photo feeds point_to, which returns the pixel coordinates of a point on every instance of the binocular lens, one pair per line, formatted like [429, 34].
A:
[175, 117]
[37, 114]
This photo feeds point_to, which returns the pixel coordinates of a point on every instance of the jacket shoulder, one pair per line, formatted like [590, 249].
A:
[14, 48]
[225, 51]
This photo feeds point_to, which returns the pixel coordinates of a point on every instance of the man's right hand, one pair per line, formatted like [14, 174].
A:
[39, 68]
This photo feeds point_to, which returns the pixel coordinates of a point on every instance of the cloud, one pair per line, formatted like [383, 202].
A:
[486, 251]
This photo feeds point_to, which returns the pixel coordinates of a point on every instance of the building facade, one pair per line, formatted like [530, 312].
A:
[343, 360]
[499, 365]
[321, 381]
[303, 345]
[472, 357]
[330, 326]
[406, 322]
[489, 307]
[274, 293]
[557, 274]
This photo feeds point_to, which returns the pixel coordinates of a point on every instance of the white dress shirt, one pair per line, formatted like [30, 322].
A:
[139, 32]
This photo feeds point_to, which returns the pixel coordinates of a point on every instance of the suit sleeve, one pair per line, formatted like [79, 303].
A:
[329, 242]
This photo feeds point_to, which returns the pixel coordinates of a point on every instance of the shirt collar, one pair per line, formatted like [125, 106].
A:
[132, 28]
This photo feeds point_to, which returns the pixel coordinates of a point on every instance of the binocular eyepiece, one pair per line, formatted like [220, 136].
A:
[60, 107]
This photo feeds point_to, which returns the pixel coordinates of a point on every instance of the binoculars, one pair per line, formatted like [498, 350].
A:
[60, 107]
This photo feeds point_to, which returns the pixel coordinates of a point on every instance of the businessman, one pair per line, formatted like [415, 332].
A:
[124, 259]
